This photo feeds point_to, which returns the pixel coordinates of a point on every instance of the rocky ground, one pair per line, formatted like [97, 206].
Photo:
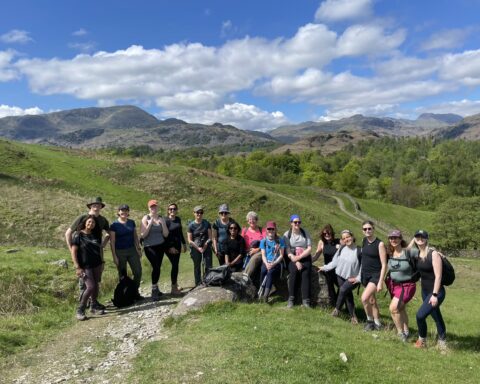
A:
[99, 350]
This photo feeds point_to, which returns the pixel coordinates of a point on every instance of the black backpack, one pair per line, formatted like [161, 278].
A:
[217, 276]
[448, 272]
[125, 292]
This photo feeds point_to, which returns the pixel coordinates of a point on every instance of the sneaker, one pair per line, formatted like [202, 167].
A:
[176, 291]
[403, 337]
[306, 304]
[369, 326]
[291, 302]
[156, 294]
[442, 345]
[97, 309]
[335, 313]
[80, 314]
[377, 327]
[420, 343]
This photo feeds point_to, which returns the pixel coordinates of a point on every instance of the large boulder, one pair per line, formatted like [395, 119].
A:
[238, 288]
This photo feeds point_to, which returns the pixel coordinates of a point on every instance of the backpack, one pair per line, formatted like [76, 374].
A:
[412, 261]
[448, 272]
[217, 276]
[125, 292]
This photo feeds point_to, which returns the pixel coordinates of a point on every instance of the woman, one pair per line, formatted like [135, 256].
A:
[272, 248]
[374, 268]
[154, 232]
[346, 264]
[220, 232]
[400, 282]
[199, 235]
[253, 234]
[430, 266]
[175, 244]
[328, 245]
[125, 246]
[86, 251]
[234, 248]
[299, 248]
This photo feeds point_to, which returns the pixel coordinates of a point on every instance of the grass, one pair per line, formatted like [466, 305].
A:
[242, 343]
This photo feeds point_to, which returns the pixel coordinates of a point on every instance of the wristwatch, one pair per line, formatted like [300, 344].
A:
[435, 294]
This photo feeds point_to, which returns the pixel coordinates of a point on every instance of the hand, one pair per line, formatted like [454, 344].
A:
[298, 265]
[433, 301]
[269, 266]
[80, 272]
[184, 248]
[379, 286]
[115, 260]
[352, 280]
[320, 269]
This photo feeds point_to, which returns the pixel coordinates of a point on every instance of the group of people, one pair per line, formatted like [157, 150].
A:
[264, 255]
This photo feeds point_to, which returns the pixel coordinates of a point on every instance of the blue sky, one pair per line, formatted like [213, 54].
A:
[254, 64]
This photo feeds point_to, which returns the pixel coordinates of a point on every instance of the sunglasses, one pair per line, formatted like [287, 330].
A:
[172, 209]
[420, 238]
[224, 213]
[270, 229]
[326, 234]
[368, 229]
[296, 222]
[394, 238]
[199, 212]
[233, 229]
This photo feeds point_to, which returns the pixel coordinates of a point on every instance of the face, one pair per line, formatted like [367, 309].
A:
[153, 208]
[233, 230]
[123, 213]
[90, 224]
[270, 232]
[395, 240]
[172, 210]
[296, 223]
[419, 240]
[96, 207]
[223, 215]
[368, 229]
[198, 214]
[347, 239]
[327, 235]
[252, 221]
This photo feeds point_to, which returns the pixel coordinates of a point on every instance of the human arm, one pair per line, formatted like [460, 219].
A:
[182, 237]
[192, 243]
[382, 250]
[112, 247]
[437, 270]
[333, 264]
[318, 252]
[145, 226]
[163, 223]
[79, 271]
[136, 241]
[209, 240]
[68, 238]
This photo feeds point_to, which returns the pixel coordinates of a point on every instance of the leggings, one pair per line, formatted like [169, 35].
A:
[91, 280]
[174, 259]
[271, 274]
[305, 276]
[197, 263]
[332, 285]
[427, 309]
[154, 255]
[345, 295]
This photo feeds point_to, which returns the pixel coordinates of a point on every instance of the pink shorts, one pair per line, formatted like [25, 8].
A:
[395, 290]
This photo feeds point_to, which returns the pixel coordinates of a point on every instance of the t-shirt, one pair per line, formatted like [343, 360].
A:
[297, 240]
[175, 235]
[101, 224]
[199, 232]
[89, 254]
[124, 237]
[251, 236]
[269, 247]
[427, 274]
[400, 268]
[234, 247]
[222, 231]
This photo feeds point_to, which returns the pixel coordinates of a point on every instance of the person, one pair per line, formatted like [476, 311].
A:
[175, 245]
[374, 268]
[94, 206]
[199, 237]
[220, 232]
[299, 247]
[153, 232]
[253, 234]
[86, 252]
[234, 248]
[328, 245]
[429, 265]
[400, 281]
[125, 246]
[272, 248]
[346, 264]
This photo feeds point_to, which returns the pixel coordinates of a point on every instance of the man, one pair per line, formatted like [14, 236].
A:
[101, 224]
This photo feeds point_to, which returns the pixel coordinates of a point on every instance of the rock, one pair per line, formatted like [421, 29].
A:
[239, 288]
[41, 252]
[13, 250]
[60, 263]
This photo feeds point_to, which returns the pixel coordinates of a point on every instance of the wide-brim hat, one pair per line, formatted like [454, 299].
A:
[96, 200]
[223, 208]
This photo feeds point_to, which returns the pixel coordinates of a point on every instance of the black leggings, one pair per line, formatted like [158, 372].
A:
[174, 259]
[345, 295]
[154, 254]
[332, 285]
[305, 276]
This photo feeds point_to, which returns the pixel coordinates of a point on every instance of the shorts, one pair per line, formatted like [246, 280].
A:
[370, 278]
[396, 289]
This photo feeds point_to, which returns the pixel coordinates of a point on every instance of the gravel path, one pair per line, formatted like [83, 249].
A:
[99, 350]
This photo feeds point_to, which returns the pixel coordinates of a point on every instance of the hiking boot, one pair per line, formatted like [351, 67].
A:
[420, 343]
[80, 314]
[291, 302]
[377, 327]
[306, 303]
[156, 294]
[98, 305]
[403, 337]
[354, 320]
[369, 326]
[335, 312]
[176, 291]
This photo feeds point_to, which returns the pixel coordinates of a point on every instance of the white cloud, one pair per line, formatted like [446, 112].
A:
[446, 39]
[463, 107]
[368, 39]
[80, 32]
[463, 67]
[338, 10]
[374, 110]
[240, 115]
[7, 71]
[186, 100]
[400, 68]
[83, 47]
[16, 36]
[6, 110]
[227, 27]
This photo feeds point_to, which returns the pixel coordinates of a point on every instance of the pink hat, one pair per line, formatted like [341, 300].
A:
[271, 224]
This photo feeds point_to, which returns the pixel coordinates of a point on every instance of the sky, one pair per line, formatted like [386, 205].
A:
[253, 64]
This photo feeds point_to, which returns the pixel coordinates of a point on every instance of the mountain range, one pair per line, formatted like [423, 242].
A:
[126, 126]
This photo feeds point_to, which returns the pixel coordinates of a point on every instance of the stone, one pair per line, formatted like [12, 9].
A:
[60, 263]
[12, 250]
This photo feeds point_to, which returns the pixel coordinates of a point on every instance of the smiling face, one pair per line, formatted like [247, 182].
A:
[296, 223]
[421, 241]
[172, 210]
[347, 239]
[90, 224]
[95, 208]
[123, 213]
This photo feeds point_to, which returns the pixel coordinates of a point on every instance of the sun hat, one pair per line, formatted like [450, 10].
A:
[223, 208]
[95, 200]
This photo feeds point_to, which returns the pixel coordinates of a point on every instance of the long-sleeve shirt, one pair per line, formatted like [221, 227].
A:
[345, 263]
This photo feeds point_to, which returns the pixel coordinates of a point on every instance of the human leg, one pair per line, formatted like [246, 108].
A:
[253, 265]
[133, 260]
[197, 265]
[305, 284]
[153, 255]
[331, 280]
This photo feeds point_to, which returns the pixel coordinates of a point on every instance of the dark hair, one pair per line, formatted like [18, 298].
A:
[235, 224]
[369, 222]
[82, 224]
[390, 249]
[176, 206]
[327, 228]
[350, 233]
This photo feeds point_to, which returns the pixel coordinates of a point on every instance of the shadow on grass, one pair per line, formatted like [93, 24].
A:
[468, 343]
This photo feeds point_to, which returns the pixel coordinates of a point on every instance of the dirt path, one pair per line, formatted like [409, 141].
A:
[99, 350]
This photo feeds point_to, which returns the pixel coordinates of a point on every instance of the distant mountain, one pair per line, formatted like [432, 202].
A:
[122, 126]
[468, 129]
[382, 126]
[330, 142]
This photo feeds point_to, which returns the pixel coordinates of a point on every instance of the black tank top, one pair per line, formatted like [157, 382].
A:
[371, 257]
[425, 267]
[329, 250]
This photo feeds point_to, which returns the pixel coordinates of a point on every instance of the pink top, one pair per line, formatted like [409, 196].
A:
[250, 235]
